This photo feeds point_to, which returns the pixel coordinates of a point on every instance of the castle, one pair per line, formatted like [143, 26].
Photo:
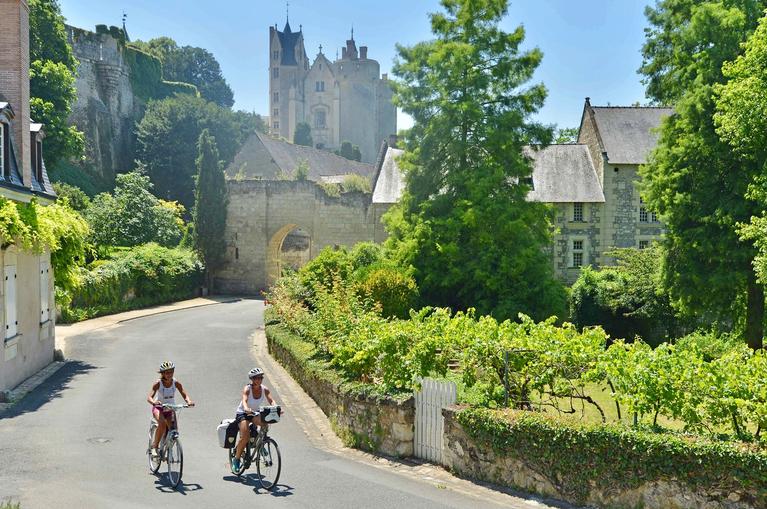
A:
[344, 100]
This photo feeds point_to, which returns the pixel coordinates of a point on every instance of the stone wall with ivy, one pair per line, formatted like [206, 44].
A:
[602, 465]
[361, 417]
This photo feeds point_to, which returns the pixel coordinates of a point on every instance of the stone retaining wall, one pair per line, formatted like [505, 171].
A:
[465, 457]
[375, 423]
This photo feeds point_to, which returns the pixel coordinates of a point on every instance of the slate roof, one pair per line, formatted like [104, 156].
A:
[288, 41]
[264, 157]
[564, 174]
[628, 133]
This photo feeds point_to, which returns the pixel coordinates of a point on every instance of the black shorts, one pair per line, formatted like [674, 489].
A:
[243, 417]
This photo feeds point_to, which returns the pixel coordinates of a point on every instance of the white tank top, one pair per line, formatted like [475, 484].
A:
[167, 395]
[254, 403]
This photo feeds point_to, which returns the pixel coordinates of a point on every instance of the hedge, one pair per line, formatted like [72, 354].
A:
[573, 454]
[143, 276]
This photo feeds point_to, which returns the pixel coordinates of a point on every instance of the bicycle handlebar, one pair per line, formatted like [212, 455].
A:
[175, 407]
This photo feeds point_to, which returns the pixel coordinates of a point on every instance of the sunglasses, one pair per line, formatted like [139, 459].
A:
[259, 377]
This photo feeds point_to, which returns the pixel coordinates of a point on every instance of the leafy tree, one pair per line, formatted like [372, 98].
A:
[693, 179]
[464, 223]
[52, 77]
[132, 215]
[349, 151]
[210, 201]
[168, 136]
[190, 64]
[566, 135]
[303, 135]
[77, 199]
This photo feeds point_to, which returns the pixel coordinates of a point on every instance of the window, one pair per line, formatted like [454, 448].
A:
[644, 244]
[276, 112]
[319, 86]
[11, 322]
[528, 181]
[578, 212]
[654, 217]
[276, 97]
[2, 149]
[276, 55]
[276, 124]
[319, 119]
[577, 254]
[644, 216]
[45, 291]
[276, 72]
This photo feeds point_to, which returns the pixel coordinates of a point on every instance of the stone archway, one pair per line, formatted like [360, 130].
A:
[274, 254]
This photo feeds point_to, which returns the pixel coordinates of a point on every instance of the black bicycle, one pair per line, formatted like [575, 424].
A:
[262, 450]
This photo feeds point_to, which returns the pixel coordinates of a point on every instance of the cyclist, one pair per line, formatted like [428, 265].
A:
[163, 391]
[254, 395]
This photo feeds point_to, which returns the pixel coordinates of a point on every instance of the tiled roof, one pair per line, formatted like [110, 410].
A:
[288, 41]
[628, 133]
[264, 157]
[563, 174]
[390, 183]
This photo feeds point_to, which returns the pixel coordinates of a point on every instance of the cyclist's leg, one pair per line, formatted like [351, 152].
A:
[161, 426]
[244, 437]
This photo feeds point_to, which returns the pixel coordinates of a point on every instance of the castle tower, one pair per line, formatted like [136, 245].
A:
[14, 76]
[288, 66]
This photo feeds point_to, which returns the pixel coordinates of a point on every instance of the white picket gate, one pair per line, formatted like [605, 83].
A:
[429, 423]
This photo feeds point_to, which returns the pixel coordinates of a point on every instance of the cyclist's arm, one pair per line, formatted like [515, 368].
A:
[245, 401]
[150, 397]
[183, 394]
[270, 399]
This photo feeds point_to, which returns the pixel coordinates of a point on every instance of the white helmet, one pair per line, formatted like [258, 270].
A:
[255, 372]
[167, 365]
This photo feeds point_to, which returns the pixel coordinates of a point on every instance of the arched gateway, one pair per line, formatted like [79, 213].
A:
[262, 214]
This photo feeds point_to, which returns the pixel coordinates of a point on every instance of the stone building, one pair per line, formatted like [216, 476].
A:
[26, 278]
[343, 100]
[592, 184]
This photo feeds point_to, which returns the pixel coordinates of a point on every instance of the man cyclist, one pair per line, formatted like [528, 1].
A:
[163, 391]
[254, 395]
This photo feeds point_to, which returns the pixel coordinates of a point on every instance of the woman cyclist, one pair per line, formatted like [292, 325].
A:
[163, 391]
[254, 395]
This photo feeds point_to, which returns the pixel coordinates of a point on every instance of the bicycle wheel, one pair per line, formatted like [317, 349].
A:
[232, 452]
[154, 463]
[175, 462]
[269, 464]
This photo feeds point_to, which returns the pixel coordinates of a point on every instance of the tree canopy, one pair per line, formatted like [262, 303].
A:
[464, 223]
[349, 151]
[193, 65]
[303, 135]
[694, 180]
[52, 77]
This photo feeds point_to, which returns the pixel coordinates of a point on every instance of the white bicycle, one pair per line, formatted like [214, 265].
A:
[169, 449]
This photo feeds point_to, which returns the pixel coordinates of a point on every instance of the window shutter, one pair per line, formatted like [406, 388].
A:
[11, 319]
[45, 311]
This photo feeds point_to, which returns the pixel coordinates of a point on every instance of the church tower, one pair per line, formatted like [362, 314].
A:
[288, 66]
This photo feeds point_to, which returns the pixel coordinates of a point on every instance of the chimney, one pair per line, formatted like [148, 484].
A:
[14, 76]
[393, 140]
[363, 52]
[343, 53]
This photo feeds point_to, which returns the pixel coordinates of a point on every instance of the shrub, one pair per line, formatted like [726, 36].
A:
[143, 276]
[395, 292]
[326, 269]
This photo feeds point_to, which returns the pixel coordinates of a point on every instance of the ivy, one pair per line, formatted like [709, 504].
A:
[572, 454]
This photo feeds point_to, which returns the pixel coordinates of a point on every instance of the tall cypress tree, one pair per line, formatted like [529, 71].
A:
[210, 202]
[464, 223]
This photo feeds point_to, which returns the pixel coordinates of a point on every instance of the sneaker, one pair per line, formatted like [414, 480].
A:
[235, 466]
[155, 453]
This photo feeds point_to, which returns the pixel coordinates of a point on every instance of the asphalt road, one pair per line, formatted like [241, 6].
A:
[80, 439]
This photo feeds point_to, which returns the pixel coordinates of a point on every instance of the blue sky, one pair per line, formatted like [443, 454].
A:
[591, 47]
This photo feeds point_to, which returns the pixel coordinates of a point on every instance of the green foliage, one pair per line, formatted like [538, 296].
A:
[694, 180]
[463, 222]
[303, 135]
[75, 196]
[349, 151]
[566, 135]
[168, 136]
[394, 291]
[326, 269]
[147, 76]
[132, 215]
[301, 172]
[365, 254]
[354, 183]
[210, 204]
[574, 456]
[188, 64]
[627, 299]
[68, 173]
[142, 276]
[52, 76]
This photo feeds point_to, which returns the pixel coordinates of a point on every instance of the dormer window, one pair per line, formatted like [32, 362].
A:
[36, 146]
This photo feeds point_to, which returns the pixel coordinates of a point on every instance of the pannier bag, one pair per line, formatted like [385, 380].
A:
[227, 433]
[269, 414]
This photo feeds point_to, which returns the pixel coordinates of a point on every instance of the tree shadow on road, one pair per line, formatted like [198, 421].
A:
[49, 390]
